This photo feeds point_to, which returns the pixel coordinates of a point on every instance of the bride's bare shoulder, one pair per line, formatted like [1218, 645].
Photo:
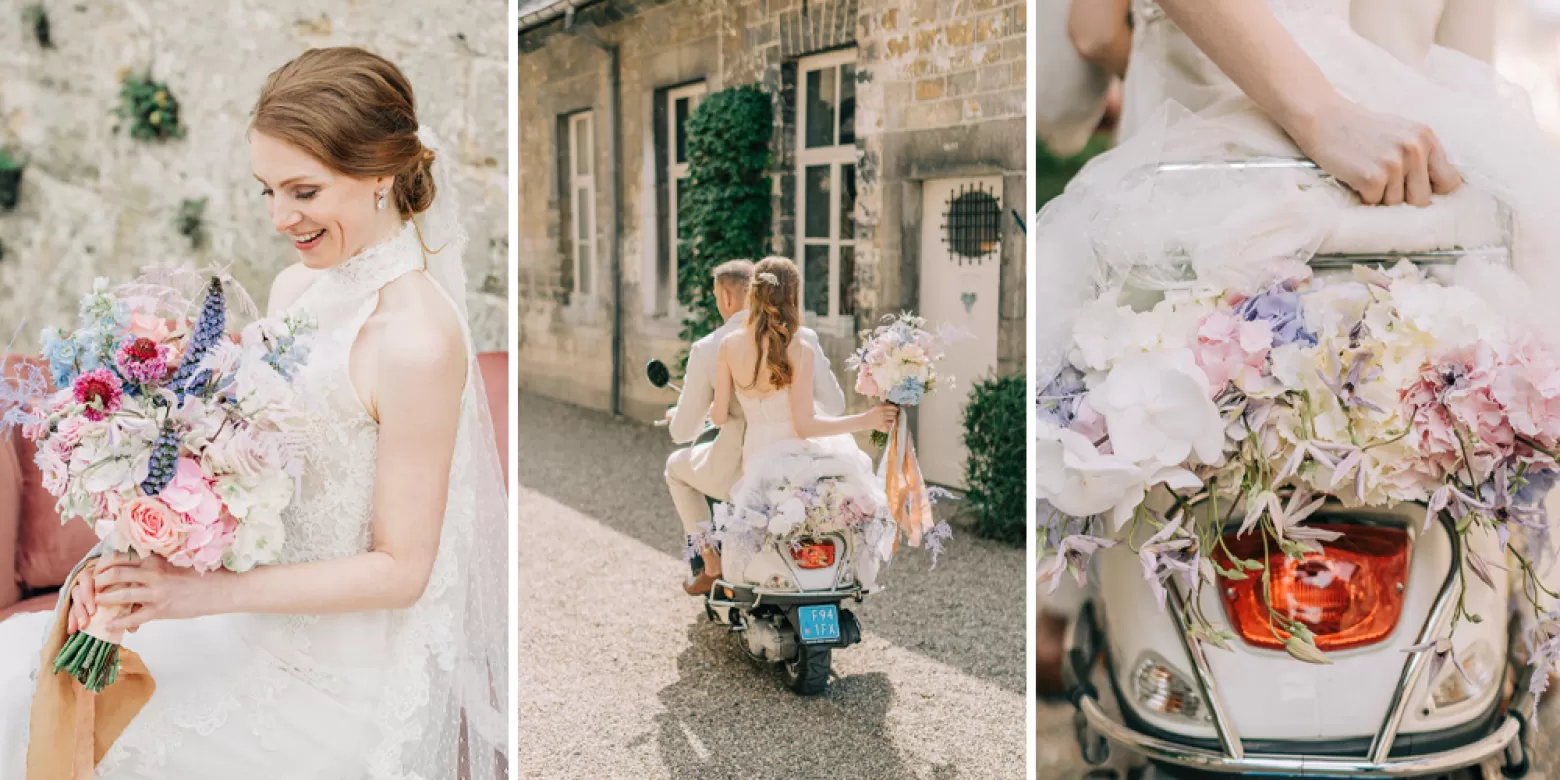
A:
[417, 318]
[288, 286]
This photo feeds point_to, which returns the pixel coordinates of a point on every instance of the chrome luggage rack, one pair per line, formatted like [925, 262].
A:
[1342, 260]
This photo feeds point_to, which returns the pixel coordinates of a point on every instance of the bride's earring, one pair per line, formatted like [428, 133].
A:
[382, 198]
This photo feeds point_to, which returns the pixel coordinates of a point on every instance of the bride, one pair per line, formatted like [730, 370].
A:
[771, 374]
[377, 647]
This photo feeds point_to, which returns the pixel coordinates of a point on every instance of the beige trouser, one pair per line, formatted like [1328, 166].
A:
[691, 485]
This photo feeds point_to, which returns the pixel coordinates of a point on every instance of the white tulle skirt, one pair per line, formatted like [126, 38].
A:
[1127, 223]
[803, 462]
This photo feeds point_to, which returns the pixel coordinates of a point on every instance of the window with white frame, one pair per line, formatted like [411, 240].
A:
[680, 103]
[582, 200]
[826, 183]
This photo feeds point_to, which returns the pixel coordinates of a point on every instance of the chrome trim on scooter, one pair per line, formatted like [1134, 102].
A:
[1229, 738]
[760, 593]
[1414, 667]
[1301, 765]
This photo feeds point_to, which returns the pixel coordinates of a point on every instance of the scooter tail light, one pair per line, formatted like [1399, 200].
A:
[1159, 687]
[1348, 595]
[814, 555]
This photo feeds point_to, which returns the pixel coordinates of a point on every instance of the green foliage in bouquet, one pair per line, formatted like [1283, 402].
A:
[34, 16]
[725, 210]
[190, 220]
[11, 165]
[149, 107]
[995, 433]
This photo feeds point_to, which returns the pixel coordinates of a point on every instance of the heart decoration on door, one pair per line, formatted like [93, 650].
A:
[969, 301]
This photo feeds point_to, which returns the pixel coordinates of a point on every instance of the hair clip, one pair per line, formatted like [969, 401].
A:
[769, 278]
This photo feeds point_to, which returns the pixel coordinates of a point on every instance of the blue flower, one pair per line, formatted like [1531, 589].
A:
[907, 392]
[209, 327]
[61, 354]
[1279, 308]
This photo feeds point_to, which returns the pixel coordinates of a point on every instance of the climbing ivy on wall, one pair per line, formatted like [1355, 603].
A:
[725, 209]
[148, 107]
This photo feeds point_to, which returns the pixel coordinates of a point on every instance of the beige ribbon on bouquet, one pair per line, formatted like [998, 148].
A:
[73, 729]
[908, 500]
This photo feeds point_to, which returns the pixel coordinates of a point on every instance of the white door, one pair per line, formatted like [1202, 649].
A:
[961, 220]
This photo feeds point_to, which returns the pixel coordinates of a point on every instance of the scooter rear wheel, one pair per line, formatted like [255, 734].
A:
[808, 675]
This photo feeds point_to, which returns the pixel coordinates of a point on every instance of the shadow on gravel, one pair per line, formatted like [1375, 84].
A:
[967, 613]
[728, 716]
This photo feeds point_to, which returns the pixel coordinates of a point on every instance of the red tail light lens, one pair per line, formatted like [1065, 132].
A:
[1349, 595]
[814, 555]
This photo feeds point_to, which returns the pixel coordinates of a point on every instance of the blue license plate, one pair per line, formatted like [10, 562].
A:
[818, 623]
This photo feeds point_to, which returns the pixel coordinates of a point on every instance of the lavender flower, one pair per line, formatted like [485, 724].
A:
[1280, 309]
[165, 461]
[209, 327]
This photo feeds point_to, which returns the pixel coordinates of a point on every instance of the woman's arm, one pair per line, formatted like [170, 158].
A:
[1100, 33]
[1469, 27]
[810, 425]
[1386, 159]
[720, 412]
[420, 373]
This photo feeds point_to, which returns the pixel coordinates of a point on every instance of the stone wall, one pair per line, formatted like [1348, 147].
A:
[97, 203]
[940, 92]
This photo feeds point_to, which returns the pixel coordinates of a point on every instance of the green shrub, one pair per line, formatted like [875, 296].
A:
[1052, 172]
[725, 206]
[996, 435]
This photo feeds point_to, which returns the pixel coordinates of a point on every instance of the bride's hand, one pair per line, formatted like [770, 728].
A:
[881, 417]
[158, 590]
[1387, 159]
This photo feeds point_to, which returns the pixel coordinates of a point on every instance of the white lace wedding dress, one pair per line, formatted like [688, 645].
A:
[772, 454]
[322, 697]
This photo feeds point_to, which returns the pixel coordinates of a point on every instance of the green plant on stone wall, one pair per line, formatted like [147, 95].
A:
[149, 108]
[38, 19]
[189, 220]
[11, 166]
[725, 209]
[995, 434]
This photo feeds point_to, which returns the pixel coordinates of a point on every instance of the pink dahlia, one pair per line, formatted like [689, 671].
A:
[144, 360]
[101, 391]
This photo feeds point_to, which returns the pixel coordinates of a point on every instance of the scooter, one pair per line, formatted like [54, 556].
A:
[1387, 585]
[787, 605]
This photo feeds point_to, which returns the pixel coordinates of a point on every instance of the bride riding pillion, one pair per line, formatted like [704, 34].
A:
[376, 647]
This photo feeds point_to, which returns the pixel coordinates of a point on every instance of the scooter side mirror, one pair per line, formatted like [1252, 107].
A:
[657, 373]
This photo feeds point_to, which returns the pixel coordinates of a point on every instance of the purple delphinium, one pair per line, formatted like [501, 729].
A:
[1280, 309]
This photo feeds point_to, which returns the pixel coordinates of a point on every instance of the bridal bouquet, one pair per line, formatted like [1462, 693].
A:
[897, 364]
[791, 509]
[166, 435]
[1260, 405]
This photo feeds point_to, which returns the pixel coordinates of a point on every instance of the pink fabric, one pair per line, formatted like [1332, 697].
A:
[10, 521]
[495, 378]
[45, 603]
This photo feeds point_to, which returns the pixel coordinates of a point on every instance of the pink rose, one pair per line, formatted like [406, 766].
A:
[149, 326]
[150, 526]
[189, 493]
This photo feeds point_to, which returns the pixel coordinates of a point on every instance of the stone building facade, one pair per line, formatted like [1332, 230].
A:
[95, 202]
[885, 112]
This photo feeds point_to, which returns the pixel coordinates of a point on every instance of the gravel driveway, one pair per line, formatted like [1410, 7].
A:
[621, 676]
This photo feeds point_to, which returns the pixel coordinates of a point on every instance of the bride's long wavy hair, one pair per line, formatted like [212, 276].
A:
[774, 316]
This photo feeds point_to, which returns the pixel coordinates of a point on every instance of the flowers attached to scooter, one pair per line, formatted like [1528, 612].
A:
[166, 435]
[1248, 410]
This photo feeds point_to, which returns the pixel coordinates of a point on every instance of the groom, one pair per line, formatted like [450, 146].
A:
[711, 469]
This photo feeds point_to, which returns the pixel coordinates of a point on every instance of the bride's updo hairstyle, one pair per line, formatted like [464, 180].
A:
[774, 315]
[354, 111]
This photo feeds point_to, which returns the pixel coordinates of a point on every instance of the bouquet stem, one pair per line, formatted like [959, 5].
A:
[90, 659]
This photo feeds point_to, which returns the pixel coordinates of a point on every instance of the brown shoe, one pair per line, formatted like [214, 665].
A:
[1049, 631]
[700, 585]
